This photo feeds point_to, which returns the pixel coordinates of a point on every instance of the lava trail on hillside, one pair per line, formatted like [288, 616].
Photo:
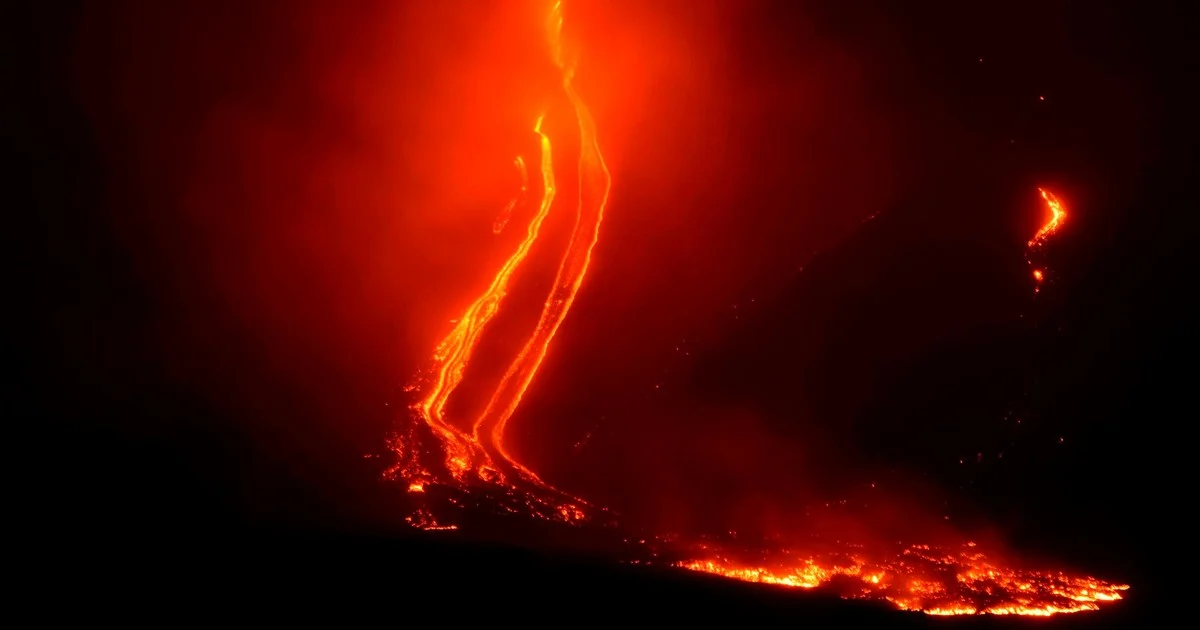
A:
[461, 473]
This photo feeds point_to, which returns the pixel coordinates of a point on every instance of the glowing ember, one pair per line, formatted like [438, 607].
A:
[471, 468]
[423, 519]
[919, 577]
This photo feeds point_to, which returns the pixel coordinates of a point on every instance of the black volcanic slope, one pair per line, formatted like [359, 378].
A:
[418, 579]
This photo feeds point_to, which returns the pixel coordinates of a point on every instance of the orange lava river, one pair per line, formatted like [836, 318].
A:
[1057, 215]
[468, 455]
[933, 580]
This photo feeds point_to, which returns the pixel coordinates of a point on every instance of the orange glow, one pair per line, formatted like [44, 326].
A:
[463, 452]
[921, 578]
[1057, 215]
[422, 519]
[506, 214]
[482, 450]
[594, 185]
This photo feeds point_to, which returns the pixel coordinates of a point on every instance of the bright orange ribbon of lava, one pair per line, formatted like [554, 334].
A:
[594, 185]
[915, 578]
[1057, 216]
[936, 581]
[484, 447]
[455, 351]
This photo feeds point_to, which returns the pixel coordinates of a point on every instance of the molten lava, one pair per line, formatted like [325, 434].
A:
[464, 452]
[594, 184]
[481, 452]
[1048, 229]
[1057, 215]
[917, 577]
[470, 466]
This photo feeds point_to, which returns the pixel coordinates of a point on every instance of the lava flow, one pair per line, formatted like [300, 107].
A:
[594, 184]
[481, 450]
[463, 451]
[472, 467]
[1057, 215]
[933, 580]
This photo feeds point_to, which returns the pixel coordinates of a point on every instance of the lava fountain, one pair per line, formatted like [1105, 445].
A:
[470, 455]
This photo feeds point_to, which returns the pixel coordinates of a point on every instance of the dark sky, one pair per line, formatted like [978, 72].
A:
[243, 224]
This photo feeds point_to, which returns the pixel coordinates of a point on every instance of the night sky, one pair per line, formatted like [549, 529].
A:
[241, 227]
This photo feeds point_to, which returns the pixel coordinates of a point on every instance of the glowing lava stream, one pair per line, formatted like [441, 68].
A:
[1057, 215]
[933, 580]
[594, 185]
[484, 448]
[455, 351]
[917, 577]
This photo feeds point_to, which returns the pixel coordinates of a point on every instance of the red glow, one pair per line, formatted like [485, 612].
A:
[937, 581]
[482, 450]
[594, 185]
[475, 452]
[1057, 216]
